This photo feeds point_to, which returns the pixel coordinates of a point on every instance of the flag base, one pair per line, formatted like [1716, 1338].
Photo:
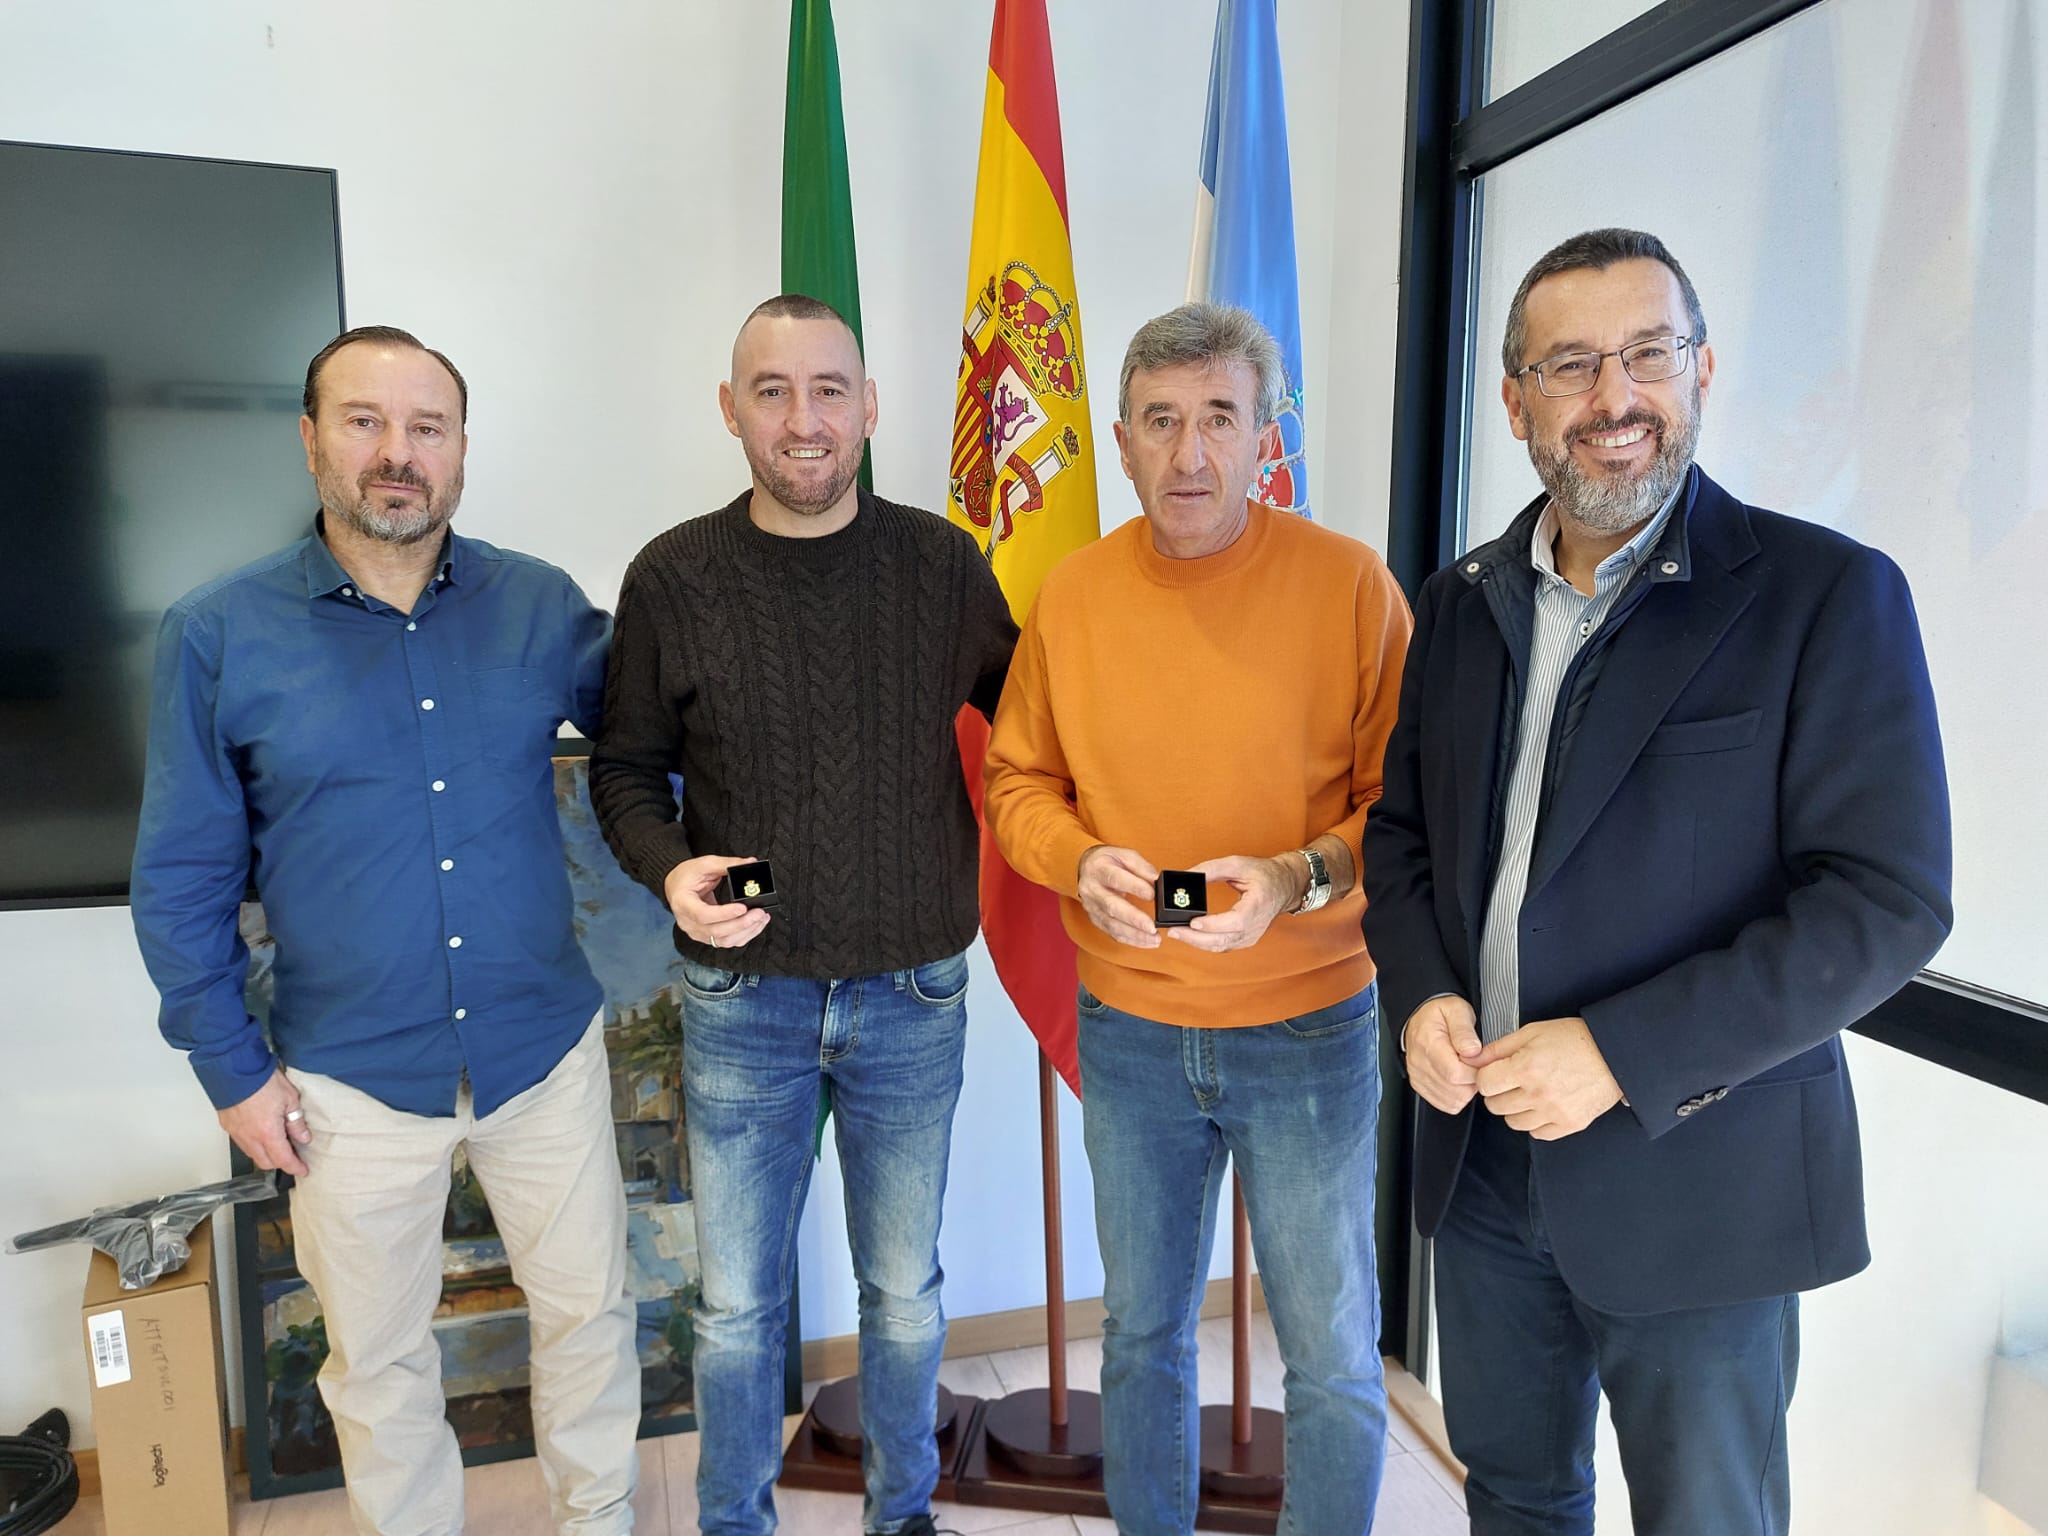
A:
[1020, 1428]
[816, 1457]
[1252, 1472]
[835, 1417]
[988, 1476]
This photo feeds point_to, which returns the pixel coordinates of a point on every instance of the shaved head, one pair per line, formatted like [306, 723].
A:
[801, 404]
[791, 306]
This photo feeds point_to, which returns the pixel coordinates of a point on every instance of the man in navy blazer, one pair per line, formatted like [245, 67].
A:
[1664, 812]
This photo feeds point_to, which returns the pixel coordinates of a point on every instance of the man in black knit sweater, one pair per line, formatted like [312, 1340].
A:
[798, 658]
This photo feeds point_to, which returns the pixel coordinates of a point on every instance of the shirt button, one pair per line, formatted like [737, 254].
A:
[447, 863]
[426, 703]
[462, 1013]
[410, 625]
[1586, 629]
[348, 591]
[439, 785]
[456, 942]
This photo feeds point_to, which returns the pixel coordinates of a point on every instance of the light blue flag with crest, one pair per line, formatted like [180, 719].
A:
[1244, 217]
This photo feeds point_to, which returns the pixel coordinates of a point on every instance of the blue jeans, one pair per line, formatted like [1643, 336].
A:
[1699, 1396]
[757, 1054]
[1294, 1105]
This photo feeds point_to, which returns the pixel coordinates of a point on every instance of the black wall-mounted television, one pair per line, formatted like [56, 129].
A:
[156, 316]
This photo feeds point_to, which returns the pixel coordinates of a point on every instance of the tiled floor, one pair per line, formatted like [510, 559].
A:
[1417, 1498]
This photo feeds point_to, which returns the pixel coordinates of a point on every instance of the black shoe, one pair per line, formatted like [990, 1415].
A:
[921, 1525]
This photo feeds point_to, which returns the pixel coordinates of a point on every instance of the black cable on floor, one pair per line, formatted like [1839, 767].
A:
[38, 1478]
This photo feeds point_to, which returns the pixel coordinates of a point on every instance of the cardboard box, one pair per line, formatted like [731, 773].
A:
[159, 1397]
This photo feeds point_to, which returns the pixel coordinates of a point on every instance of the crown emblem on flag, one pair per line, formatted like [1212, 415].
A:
[1020, 359]
[1040, 327]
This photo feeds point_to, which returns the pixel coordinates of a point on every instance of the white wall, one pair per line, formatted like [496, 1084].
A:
[1359, 269]
[579, 205]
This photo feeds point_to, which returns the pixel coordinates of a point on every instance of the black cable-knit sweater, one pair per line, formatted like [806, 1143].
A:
[805, 690]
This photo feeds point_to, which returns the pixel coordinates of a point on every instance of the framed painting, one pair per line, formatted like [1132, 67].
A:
[481, 1321]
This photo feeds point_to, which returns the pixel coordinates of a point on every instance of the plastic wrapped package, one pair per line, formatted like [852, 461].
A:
[147, 1240]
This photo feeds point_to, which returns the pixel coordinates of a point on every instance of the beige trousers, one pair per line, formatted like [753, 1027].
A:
[366, 1223]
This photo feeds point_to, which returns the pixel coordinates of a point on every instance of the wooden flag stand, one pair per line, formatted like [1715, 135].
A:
[1050, 1432]
[1050, 1438]
[825, 1452]
[1244, 1460]
[1042, 1449]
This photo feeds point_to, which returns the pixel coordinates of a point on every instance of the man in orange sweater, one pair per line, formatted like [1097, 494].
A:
[1209, 690]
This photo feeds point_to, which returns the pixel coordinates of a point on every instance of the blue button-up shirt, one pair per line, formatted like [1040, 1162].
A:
[384, 777]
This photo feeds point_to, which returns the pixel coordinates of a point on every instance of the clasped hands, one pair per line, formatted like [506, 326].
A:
[1115, 889]
[1547, 1078]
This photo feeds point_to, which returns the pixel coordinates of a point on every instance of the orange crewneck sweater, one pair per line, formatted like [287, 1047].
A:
[1192, 709]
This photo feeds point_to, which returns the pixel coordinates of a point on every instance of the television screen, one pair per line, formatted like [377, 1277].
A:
[156, 317]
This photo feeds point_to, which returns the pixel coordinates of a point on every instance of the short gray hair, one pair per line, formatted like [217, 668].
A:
[1213, 334]
[1596, 250]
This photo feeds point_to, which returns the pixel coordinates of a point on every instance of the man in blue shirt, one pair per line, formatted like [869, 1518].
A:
[361, 725]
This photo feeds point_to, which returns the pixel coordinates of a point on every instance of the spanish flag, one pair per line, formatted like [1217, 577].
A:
[1023, 468]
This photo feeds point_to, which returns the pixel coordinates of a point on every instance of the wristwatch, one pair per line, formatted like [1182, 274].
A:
[1318, 891]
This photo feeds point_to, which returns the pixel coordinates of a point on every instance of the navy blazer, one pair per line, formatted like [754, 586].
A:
[1743, 848]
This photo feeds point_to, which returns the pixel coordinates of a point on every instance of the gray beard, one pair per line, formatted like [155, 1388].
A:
[367, 517]
[374, 522]
[1616, 503]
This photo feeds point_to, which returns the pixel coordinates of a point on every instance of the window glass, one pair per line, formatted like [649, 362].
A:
[1531, 35]
[1855, 194]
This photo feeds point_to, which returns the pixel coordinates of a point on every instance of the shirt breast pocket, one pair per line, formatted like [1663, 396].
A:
[515, 708]
[1724, 733]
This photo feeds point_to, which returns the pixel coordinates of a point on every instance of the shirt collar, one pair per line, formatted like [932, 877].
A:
[1543, 555]
[324, 574]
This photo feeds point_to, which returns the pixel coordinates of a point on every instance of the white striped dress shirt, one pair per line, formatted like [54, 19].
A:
[1565, 618]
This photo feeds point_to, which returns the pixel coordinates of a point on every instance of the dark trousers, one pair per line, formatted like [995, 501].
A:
[1698, 1396]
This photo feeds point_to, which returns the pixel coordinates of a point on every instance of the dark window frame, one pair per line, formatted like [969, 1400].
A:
[1454, 137]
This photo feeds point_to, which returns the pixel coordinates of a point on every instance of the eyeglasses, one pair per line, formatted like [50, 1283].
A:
[1650, 361]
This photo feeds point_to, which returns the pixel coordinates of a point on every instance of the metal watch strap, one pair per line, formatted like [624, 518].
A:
[1318, 891]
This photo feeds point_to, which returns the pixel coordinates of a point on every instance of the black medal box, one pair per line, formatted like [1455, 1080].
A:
[751, 885]
[1178, 898]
